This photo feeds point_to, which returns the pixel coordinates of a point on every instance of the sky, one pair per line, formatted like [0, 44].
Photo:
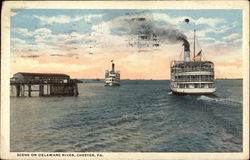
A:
[142, 43]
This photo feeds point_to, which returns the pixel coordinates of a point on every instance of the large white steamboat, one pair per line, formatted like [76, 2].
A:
[112, 78]
[194, 76]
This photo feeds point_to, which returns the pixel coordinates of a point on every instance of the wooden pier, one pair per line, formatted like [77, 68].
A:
[44, 84]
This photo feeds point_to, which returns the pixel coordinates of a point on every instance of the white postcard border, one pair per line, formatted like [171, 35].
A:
[5, 71]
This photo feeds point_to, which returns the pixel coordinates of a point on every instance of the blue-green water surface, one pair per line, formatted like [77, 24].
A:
[138, 116]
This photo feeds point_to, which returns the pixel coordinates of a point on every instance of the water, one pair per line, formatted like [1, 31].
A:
[138, 116]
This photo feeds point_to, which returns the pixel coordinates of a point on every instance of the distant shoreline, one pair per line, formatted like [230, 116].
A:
[97, 79]
[229, 79]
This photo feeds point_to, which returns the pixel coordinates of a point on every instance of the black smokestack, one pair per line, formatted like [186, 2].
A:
[113, 67]
[186, 49]
[186, 45]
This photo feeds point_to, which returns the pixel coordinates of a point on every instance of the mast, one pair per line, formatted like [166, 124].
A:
[194, 43]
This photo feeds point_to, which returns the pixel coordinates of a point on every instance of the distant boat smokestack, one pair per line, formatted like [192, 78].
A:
[186, 50]
[113, 67]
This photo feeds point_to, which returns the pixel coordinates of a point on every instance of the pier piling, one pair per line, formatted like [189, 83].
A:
[29, 90]
[18, 89]
[48, 84]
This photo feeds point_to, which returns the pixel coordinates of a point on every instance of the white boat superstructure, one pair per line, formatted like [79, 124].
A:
[112, 78]
[192, 77]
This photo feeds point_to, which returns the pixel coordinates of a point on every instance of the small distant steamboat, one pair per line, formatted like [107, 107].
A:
[192, 76]
[112, 78]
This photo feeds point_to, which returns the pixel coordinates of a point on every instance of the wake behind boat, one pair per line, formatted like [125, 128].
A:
[112, 78]
[192, 77]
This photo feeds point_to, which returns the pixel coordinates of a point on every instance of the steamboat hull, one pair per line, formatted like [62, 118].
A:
[112, 84]
[192, 92]
[111, 81]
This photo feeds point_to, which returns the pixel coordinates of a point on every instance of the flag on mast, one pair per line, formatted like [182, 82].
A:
[198, 56]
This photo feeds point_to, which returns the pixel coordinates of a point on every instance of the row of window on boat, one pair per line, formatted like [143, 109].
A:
[194, 78]
[191, 69]
[196, 85]
[193, 66]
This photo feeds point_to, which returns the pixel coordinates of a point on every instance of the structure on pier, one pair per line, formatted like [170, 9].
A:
[47, 84]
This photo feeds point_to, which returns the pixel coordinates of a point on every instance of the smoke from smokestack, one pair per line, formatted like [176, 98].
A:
[166, 34]
[142, 24]
[172, 35]
[186, 45]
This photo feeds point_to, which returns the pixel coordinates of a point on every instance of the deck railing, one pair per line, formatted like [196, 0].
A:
[179, 70]
[194, 80]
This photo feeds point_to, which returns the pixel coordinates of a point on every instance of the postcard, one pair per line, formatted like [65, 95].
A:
[125, 80]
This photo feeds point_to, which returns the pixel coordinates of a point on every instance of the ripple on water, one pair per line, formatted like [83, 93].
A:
[130, 118]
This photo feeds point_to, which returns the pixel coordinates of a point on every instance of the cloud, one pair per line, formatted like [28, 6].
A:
[65, 19]
[142, 26]
[103, 27]
[30, 56]
[126, 25]
[214, 25]
[219, 44]
[22, 31]
[166, 18]
[105, 35]
[56, 55]
[64, 55]
[212, 22]
[207, 39]
[237, 41]
[226, 27]
[37, 40]
[99, 38]
[224, 43]
[232, 40]
[17, 40]
[88, 18]
[231, 37]
[58, 19]
[43, 40]
[36, 33]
